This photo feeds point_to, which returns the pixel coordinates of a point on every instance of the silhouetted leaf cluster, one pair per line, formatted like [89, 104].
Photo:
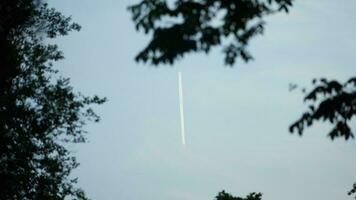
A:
[226, 196]
[353, 190]
[39, 112]
[198, 25]
[333, 102]
[26, 22]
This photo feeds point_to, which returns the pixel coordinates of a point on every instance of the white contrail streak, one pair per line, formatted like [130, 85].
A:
[181, 108]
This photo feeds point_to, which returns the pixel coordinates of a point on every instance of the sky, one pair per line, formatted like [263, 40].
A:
[236, 118]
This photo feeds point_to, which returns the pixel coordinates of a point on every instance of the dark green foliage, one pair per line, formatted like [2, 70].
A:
[226, 196]
[199, 25]
[333, 102]
[24, 23]
[39, 112]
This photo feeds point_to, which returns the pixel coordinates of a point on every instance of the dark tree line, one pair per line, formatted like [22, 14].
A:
[226, 196]
[39, 111]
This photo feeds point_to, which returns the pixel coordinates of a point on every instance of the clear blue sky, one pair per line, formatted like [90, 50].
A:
[236, 118]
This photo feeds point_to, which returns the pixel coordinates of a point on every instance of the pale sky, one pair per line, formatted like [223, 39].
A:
[236, 118]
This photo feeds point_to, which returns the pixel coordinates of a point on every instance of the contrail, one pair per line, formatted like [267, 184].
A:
[181, 108]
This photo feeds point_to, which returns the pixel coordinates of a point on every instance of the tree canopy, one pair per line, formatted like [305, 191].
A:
[330, 101]
[39, 111]
[198, 25]
[226, 196]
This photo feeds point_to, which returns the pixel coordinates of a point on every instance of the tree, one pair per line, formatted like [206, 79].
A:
[39, 111]
[12, 15]
[353, 190]
[330, 101]
[334, 102]
[198, 25]
[226, 196]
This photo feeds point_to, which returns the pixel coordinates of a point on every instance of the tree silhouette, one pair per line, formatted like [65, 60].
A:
[197, 26]
[39, 111]
[333, 102]
[226, 196]
[353, 190]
